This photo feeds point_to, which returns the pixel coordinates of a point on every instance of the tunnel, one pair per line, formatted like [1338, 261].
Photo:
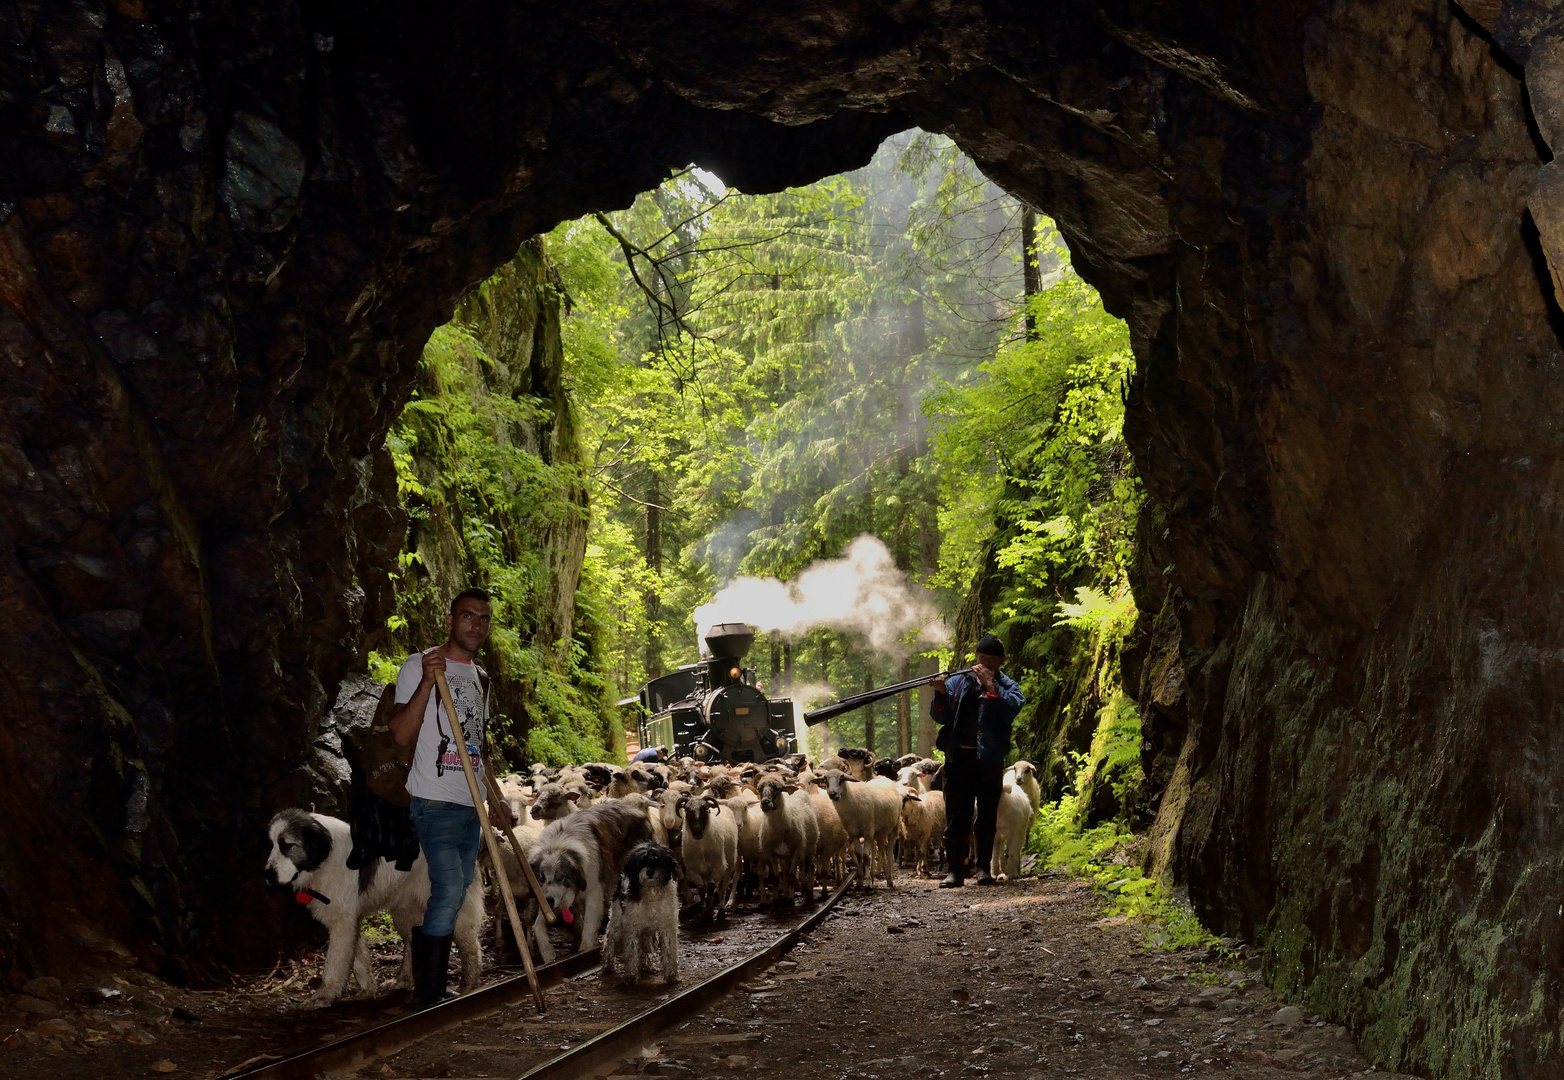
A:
[226, 231]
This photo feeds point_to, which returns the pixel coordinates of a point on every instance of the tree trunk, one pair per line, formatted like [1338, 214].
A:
[868, 712]
[652, 659]
[1031, 280]
[904, 711]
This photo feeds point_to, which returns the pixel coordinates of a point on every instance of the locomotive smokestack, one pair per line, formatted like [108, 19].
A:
[730, 640]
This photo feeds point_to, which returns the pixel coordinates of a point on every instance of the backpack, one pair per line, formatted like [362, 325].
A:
[385, 764]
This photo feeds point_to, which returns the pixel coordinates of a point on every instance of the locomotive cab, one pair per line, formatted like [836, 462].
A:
[713, 711]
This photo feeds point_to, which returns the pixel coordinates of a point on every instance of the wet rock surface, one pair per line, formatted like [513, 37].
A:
[225, 233]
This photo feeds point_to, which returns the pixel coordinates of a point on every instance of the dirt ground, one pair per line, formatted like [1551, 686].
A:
[1021, 980]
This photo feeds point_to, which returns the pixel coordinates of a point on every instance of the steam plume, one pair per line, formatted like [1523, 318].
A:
[862, 593]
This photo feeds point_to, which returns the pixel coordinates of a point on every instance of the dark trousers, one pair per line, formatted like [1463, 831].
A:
[968, 783]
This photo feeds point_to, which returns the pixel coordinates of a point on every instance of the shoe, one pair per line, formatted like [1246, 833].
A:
[430, 957]
[984, 878]
[952, 881]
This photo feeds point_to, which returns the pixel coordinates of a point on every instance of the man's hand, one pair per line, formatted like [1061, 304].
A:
[500, 814]
[938, 682]
[985, 677]
[432, 662]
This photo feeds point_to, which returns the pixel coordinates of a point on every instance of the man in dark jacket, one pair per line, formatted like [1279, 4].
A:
[974, 712]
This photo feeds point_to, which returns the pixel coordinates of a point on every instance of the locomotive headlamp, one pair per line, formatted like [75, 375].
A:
[734, 672]
[701, 751]
[781, 742]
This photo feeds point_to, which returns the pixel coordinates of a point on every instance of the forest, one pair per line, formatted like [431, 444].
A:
[899, 359]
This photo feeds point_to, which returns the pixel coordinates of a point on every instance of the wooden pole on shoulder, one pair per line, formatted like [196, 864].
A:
[490, 843]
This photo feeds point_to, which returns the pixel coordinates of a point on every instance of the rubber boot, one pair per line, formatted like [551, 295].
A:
[985, 855]
[431, 955]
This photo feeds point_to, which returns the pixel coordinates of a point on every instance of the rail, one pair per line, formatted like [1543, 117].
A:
[353, 1052]
[613, 1044]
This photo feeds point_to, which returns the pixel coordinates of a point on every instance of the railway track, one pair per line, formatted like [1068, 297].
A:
[422, 1030]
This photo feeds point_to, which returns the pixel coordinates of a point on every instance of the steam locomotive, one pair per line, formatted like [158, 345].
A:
[713, 711]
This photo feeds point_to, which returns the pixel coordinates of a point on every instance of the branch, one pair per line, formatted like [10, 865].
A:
[641, 502]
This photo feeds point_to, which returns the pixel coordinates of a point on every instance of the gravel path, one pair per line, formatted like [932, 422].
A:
[1023, 980]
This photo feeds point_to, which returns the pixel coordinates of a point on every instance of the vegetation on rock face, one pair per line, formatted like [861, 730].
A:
[489, 471]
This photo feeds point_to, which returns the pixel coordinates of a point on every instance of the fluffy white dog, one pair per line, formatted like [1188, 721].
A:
[643, 916]
[310, 856]
[577, 860]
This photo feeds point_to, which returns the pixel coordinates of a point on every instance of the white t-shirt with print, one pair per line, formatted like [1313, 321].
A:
[427, 780]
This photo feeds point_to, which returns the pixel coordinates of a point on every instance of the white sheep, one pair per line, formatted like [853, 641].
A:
[917, 824]
[789, 832]
[870, 811]
[709, 853]
[831, 848]
[1023, 774]
[1010, 828]
[555, 801]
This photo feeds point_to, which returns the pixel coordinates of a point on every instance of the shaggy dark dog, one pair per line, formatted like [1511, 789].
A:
[643, 918]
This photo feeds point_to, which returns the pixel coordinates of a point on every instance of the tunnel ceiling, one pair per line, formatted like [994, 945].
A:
[227, 229]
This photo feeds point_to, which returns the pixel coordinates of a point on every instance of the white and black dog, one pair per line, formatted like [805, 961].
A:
[577, 861]
[310, 856]
[643, 916]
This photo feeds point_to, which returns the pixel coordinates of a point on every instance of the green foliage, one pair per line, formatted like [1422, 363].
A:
[1038, 511]
[490, 478]
[755, 380]
[1108, 854]
[754, 366]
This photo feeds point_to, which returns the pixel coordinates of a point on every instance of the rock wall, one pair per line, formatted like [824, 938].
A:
[227, 232]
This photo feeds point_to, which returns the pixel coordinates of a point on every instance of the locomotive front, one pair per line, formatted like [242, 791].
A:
[713, 711]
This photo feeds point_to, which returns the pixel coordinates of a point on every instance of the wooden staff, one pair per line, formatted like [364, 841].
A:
[488, 837]
[521, 855]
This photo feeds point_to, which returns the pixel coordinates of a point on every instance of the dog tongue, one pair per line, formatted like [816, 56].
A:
[568, 915]
[302, 898]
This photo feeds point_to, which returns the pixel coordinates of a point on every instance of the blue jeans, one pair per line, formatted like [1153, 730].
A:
[448, 834]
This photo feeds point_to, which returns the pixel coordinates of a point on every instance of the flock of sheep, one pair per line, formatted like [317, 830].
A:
[772, 831]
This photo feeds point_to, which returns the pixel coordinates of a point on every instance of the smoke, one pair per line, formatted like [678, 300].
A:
[811, 740]
[806, 694]
[862, 593]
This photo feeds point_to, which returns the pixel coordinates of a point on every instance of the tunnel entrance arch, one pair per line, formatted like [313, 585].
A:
[224, 237]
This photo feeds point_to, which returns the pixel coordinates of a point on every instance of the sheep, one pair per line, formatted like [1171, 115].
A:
[517, 791]
[619, 785]
[831, 847]
[598, 774]
[527, 832]
[789, 832]
[647, 778]
[857, 762]
[870, 811]
[750, 818]
[710, 852]
[1023, 774]
[721, 783]
[1010, 829]
[554, 801]
[653, 811]
[922, 825]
